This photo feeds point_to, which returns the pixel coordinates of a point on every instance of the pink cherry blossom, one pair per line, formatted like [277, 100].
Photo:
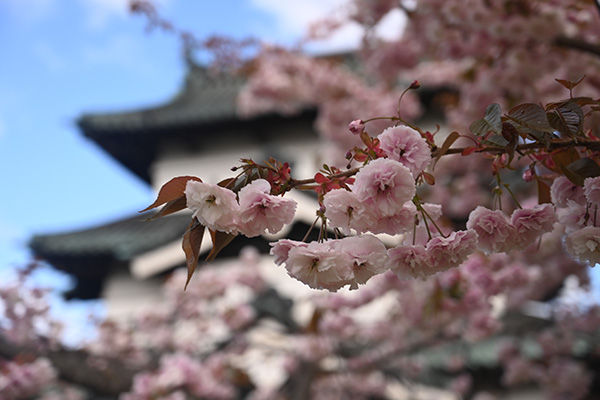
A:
[495, 232]
[214, 207]
[591, 188]
[584, 244]
[385, 185]
[346, 212]
[530, 223]
[260, 211]
[356, 126]
[563, 190]
[400, 222]
[574, 216]
[368, 257]
[406, 145]
[409, 261]
[281, 249]
[449, 252]
[320, 265]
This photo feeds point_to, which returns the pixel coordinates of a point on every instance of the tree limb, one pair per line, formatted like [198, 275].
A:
[578, 44]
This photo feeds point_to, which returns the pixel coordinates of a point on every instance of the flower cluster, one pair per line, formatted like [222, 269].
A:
[578, 214]
[498, 234]
[257, 211]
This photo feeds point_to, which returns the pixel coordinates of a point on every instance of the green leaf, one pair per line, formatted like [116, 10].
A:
[492, 121]
[531, 116]
[192, 240]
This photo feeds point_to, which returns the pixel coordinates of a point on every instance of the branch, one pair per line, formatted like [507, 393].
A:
[578, 44]
[559, 144]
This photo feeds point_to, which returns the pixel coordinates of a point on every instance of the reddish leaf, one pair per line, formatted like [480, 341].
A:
[430, 179]
[492, 121]
[531, 116]
[469, 150]
[446, 146]
[192, 240]
[581, 169]
[567, 118]
[219, 240]
[564, 158]
[172, 190]
[568, 84]
[171, 207]
[543, 192]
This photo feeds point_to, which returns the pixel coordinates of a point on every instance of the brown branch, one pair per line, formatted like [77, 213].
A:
[577, 44]
[554, 145]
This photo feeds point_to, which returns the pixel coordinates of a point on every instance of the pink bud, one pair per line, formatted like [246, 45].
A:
[356, 126]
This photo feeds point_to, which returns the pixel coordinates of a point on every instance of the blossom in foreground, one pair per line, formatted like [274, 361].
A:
[563, 190]
[385, 185]
[495, 232]
[369, 257]
[449, 252]
[410, 261]
[591, 188]
[345, 212]
[215, 207]
[260, 211]
[332, 264]
[319, 265]
[530, 223]
[407, 146]
[584, 245]
[440, 254]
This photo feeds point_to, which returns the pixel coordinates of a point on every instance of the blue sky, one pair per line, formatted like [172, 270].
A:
[61, 58]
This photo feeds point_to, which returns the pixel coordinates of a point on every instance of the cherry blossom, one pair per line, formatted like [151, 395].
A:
[584, 244]
[404, 144]
[260, 211]
[494, 230]
[384, 184]
[214, 206]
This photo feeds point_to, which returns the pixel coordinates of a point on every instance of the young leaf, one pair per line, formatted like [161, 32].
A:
[430, 179]
[492, 121]
[568, 84]
[219, 240]
[531, 116]
[169, 208]
[445, 147]
[543, 192]
[172, 190]
[192, 240]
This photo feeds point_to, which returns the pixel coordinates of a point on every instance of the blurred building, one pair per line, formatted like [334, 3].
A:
[198, 132]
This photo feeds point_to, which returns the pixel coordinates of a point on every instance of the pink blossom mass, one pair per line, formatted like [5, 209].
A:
[214, 207]
[260, 211]
[407, 146]
[385, 184]
[494, 230]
